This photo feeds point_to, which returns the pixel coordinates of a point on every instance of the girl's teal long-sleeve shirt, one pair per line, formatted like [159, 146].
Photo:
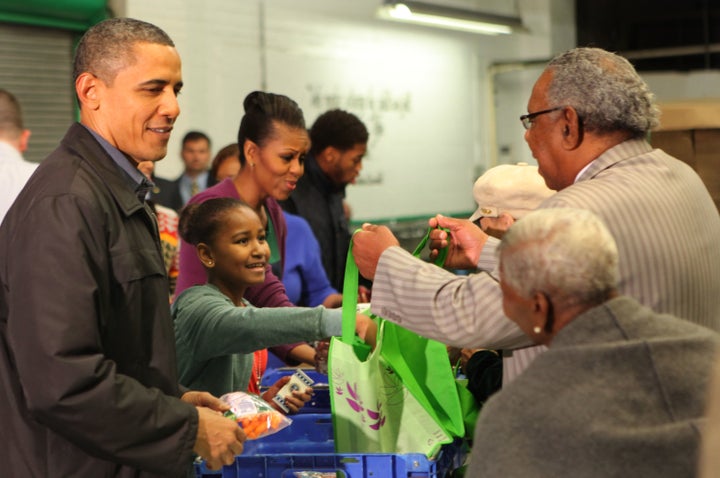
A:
[216, 339]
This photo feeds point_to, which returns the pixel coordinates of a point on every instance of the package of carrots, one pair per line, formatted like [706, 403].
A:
[256, 416]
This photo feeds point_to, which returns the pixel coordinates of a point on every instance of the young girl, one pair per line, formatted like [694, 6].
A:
[272, 143]
[216, 329]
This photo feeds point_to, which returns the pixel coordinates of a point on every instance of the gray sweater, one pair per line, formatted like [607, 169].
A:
[620, 392]
[216, 339]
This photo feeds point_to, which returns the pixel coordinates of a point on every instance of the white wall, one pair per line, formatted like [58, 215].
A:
[426, 95]
[672, 86]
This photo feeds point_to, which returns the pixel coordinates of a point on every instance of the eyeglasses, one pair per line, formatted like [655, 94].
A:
[527, 119]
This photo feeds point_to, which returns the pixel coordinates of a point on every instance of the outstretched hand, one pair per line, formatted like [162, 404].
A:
[368, 245]
[465, 241]
[294, 401]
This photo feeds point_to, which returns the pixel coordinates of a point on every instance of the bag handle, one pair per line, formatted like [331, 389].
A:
[350, 293]
[440, 259]
[350, 285]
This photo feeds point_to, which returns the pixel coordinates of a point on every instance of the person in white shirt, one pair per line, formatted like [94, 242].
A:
[14, 170]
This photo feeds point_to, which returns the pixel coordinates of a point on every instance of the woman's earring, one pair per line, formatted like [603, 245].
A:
[210, 263]
[537, 329]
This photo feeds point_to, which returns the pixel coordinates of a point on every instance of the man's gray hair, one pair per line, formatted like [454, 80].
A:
[605, 90]
[566, 253]
[107, 46]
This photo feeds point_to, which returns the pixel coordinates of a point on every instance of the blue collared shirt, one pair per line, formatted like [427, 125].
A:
[140, 184]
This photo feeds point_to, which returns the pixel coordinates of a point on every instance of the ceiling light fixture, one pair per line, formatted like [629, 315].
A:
[449, 17]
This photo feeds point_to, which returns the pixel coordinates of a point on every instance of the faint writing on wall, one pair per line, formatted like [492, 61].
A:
[370, 178]
[375, 108]
[383, 102]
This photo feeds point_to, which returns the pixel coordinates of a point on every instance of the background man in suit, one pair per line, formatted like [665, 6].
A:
[589, 115]
[195, 155]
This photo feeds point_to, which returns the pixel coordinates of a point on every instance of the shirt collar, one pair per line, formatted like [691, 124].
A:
[583, 170]
[627, 149]
[9, 152]
[140, 184]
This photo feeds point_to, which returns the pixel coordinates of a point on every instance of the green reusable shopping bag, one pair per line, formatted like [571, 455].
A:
[469, 405]
[400, 398]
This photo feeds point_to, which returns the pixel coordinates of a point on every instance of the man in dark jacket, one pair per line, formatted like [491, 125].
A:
[88, 382]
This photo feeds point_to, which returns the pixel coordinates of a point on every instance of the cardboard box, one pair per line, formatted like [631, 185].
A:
[690, 131]
[690, 114]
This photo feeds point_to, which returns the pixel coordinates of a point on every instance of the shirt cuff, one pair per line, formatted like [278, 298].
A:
[488, 262]
[331, 325]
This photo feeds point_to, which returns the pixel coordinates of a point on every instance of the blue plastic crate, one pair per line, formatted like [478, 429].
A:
[273, 375]
[307, 433]
[307, 446]
[375, 465]
[320, 402]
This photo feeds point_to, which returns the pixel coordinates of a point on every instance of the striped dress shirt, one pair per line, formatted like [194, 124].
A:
[661, 215]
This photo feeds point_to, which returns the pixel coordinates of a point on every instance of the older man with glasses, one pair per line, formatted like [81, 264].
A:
[527, 120]
[589, 116]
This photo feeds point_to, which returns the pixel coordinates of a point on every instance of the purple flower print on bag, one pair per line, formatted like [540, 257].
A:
[377, 419]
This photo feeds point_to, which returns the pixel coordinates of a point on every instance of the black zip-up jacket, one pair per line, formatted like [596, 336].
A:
[88, 380]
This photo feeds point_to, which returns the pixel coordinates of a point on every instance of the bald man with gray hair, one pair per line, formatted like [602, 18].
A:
[588, 120]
